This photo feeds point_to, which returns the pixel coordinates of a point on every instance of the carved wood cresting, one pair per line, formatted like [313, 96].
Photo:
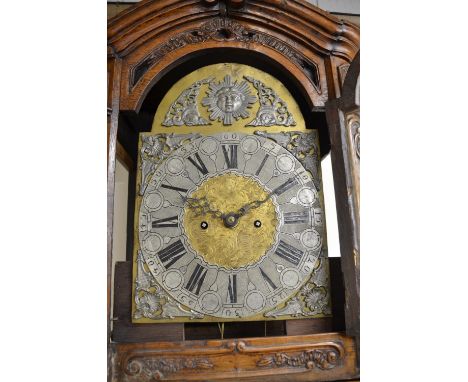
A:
[224, 29]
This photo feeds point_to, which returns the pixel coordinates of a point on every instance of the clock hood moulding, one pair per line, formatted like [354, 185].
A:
[306, 41]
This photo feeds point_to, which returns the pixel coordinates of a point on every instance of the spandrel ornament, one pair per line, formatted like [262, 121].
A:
[156, 148]
[273, 110]
[303, 147]
[313, 298]
[152, 302]
[184, 111]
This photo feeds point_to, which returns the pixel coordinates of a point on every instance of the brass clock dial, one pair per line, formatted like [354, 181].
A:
[226, 226]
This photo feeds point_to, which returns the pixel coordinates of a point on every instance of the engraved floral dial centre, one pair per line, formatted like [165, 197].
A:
[230, 241]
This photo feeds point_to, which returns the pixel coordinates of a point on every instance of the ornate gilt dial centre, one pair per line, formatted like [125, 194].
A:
[246, 241]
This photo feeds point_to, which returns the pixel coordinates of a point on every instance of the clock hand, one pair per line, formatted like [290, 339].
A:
[252, 205]
[202, 207]
[257, 203]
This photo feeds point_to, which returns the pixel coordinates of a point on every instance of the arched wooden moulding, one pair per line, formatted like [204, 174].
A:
[309, 43]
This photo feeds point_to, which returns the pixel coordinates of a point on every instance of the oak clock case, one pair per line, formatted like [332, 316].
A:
[229, 221]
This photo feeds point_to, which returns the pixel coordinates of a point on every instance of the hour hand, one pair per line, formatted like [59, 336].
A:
[202, 206]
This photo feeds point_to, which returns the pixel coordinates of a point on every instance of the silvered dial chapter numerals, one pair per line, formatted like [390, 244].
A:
[172, 253]
[210, 288]
[232, 288]
[196, 279]
[289, 253]
[198, 163]
[230, 155]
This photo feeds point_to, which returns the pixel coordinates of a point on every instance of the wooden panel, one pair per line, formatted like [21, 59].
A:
[123, 329]
[205, 331]
[311, 326]
[319, 357]
[337, 294]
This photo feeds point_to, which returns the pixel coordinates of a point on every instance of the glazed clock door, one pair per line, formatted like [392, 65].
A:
[229, 217]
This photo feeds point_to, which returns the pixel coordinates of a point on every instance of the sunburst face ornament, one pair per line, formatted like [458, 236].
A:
[226, 100]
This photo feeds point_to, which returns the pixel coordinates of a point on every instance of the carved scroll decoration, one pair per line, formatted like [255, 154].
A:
[356, 138]
[342, 71]
[273, 110]
[152, 302]
[224, 29]
[322, 359]
[156, 148]
[162, 363]
[302, 146]
[353, 132]
[184, 110]
[157, 368]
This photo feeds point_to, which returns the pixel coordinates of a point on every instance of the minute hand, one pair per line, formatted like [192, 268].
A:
[257, 203]
[252, 205]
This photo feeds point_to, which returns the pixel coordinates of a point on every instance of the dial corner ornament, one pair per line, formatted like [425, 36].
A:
[229, 227]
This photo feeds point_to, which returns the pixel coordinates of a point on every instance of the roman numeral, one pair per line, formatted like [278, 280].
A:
[296, 217]
[196, 280]
[172, 253]
[168, 186]
[262, 164]
[232, 289]
[198, 163]
[291, 182]
[231, 156]
[172, 221]
[268, 280]
[289, 253]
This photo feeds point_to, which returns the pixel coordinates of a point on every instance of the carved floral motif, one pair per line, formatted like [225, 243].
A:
[157, 368]
[325, 359]
[157, 364]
